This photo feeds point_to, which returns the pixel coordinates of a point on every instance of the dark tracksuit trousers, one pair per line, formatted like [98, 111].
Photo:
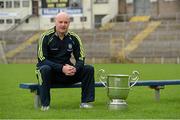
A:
[84, 75]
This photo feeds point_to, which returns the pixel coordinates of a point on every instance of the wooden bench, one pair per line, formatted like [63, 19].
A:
[154, 84]
[34, 88]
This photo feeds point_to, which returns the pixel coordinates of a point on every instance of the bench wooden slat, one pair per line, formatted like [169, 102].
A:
[157, 82]
[34, 86]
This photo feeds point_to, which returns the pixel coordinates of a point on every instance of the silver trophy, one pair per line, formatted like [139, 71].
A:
[118, 86]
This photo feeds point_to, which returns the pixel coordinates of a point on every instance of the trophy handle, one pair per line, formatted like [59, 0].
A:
[102, 76]
[134, 77]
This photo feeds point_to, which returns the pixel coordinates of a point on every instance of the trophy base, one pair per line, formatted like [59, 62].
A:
[117, 104]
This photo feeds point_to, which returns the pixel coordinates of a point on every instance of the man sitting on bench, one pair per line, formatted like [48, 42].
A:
[54, 66]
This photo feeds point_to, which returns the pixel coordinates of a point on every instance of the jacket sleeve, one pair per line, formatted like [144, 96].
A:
[78, 52]
[43, 54]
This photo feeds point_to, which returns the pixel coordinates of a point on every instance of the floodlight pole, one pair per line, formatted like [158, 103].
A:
[2, 54]
[121, 54]
[92, 16]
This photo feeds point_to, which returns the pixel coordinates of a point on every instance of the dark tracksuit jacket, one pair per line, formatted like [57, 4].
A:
[53, 53]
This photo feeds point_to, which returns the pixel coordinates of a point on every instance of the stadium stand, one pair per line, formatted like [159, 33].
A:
[124, 36]
[160, 45]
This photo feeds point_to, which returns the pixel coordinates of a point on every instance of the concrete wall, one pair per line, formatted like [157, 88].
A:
[168, 9]
[14, 13]
[109, 10]
[103, 11]
[159, 8]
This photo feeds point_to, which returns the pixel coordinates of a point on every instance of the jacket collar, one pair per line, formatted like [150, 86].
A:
[56, 33]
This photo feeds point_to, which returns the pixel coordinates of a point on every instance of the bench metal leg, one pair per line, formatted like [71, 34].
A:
[157, 94]
[37, 101]
[157, 91]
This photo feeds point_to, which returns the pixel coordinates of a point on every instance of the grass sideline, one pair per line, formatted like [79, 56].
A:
[16, 103]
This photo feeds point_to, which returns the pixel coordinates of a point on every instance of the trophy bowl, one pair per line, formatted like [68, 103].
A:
[118, 86]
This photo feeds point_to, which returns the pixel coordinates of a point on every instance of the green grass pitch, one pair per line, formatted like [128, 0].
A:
[17, 103]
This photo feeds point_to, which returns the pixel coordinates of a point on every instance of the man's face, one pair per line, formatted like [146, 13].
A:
[62, 24]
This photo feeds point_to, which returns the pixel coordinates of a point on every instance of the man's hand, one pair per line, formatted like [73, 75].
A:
[69, 70]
